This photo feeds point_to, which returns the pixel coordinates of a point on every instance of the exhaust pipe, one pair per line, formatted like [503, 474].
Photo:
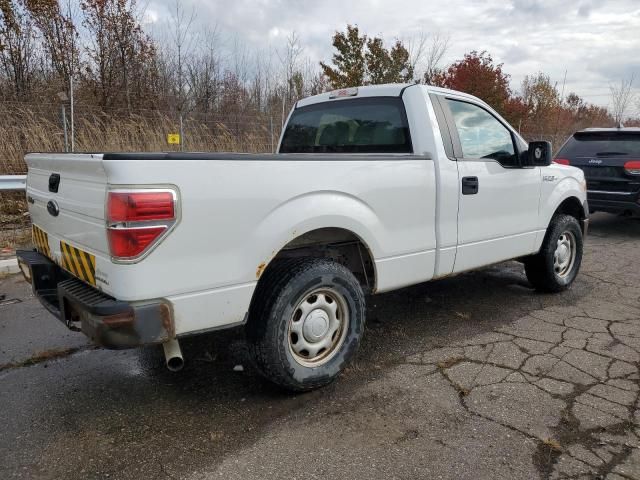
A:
[173, 355]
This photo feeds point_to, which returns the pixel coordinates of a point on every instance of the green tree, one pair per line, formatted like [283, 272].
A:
[387, 66]
[400, 68]
[349, 62]
[361, 61]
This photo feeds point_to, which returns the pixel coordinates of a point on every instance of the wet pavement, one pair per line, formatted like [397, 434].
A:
[475, 376]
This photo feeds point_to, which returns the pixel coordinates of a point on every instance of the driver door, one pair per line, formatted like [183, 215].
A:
[498, 197]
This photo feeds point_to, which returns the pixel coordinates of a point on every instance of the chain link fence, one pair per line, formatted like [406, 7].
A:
[46, 127]
[41, 128]
[31, 128]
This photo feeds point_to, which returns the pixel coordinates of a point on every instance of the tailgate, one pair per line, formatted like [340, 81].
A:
[66, 195]
[603, 155]
[607, 174]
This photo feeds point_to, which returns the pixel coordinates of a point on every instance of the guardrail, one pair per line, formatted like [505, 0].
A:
[13, 183]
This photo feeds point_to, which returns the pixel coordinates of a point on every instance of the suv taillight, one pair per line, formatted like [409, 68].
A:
[137, 220]
[562, 161]
[632, 167]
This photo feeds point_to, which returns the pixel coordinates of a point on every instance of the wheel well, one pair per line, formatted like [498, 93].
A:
[336, 244]
[572, 206]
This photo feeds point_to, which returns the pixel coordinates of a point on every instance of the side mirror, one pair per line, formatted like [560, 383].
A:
[540, 154]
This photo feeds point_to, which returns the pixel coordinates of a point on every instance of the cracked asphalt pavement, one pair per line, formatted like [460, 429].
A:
[475, 376]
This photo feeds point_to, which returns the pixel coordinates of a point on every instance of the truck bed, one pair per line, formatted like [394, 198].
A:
[235, 212]
[253, 157]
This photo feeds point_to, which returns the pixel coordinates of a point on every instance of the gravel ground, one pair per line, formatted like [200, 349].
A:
[475, 376]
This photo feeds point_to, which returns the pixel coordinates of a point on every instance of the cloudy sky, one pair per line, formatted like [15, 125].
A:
[597, 42]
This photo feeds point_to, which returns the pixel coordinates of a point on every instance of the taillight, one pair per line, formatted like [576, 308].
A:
[562, 161]
[131, 242]
[632, 167]
[140, 206]
[137, 220]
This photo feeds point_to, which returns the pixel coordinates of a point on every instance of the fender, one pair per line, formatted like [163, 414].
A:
[312, 211]
[567, 187]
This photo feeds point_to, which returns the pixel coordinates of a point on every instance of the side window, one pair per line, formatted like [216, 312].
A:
[482, 135]
[436, 102]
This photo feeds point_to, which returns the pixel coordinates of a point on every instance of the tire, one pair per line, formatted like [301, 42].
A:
[556, 266]
[305, 322]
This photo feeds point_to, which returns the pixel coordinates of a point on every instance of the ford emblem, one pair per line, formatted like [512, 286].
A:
[52, 208]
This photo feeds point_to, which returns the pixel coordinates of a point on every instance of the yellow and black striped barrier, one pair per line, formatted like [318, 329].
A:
[81, 264]
[41, 241]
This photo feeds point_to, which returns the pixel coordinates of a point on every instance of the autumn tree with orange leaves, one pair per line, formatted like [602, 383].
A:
[478, 75]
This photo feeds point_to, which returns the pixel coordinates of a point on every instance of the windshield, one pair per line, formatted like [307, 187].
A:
[363, 125]
[602, 145]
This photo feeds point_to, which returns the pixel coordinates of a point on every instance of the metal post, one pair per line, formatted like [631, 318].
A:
[64, 127]
[73, 131]
[181, 134]
[282, 126]
[271, 125]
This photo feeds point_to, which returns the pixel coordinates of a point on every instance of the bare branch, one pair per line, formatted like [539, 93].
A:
[622, 97]
[437, 50]
[182, 42]
[417, 48]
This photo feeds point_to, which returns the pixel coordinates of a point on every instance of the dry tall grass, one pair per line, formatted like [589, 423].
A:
[26, 129]
[33, 128]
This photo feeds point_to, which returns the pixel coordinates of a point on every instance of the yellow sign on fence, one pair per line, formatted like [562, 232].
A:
[173, 139]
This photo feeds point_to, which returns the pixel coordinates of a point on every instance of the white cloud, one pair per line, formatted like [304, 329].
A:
[595, 42]
[150, 17]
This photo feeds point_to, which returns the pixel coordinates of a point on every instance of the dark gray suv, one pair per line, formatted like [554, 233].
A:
[610, 159]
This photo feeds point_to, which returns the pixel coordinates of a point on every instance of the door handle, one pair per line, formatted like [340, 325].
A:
[470, 185]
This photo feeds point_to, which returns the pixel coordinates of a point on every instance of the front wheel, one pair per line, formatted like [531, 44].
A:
[306, 322]
[557, 264]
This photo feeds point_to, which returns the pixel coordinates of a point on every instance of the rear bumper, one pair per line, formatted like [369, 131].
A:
[110, 323]
[614, 202]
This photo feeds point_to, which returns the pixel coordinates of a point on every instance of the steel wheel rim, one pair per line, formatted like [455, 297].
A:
[564, 256]
[318, 327]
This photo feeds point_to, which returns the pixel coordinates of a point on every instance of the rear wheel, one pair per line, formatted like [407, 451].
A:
[306, 322]
[557, 264]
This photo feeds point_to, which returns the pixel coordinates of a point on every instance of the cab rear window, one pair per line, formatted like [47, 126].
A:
[363, 125]
[589, 144]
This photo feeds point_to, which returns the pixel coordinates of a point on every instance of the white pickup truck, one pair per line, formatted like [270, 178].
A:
[373, 189]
